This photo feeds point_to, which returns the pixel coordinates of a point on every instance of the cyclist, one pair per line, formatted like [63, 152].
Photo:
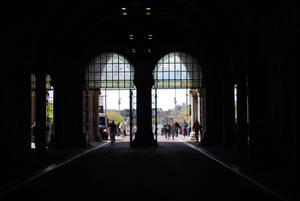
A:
[112, 131]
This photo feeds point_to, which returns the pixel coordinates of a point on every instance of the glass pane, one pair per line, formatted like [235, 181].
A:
[121, 76]
[103, 76]
[127, 76]
[183, 75]
[165, 67]
[91, 68]
[177, 75]
[166, 75]
[91, 76]
[171, 67]
[97, 76]
[109, 76]
[121, 84]
[159, 75]
[115, 59]
[177, 59]
[97, 67]
[177, 67]
[121, 67]
[115, 67]
[109, 67]
[115, 76]
[172, 83]
[103, 59]
[103, 67]
[172, 75]
[127, 67]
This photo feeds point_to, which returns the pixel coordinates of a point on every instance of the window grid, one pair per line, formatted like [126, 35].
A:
[177, 70]
[114, 72]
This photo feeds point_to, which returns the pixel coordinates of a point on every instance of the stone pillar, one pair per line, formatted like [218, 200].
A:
[199, 107]
[58, 136]
[33, 107]
[194, 105]
[40, 138]
[144, 136]
[96, 94]
[242, 113]
[93, 110]
[227, 111]
[202, 113]
[265, 103]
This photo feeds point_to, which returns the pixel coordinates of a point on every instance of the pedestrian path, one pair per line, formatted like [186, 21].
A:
[171, 171]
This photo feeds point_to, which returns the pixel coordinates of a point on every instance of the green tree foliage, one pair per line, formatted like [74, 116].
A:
[114, 115]
[182, 114]
[49, 111]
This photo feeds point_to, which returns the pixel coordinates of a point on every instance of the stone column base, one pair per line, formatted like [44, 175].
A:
[144, 141]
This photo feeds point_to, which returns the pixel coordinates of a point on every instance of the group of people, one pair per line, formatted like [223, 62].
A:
[174, 128]
[116, 129]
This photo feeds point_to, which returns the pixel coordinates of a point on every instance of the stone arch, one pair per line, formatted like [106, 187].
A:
[177, 70]
[109, 70]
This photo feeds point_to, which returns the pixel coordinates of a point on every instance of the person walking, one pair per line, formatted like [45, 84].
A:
[112, 131]
[196, 128]
[167, 128]
[123, 128]
[189, 128]
[177, 128]
[173, 129]
[185, 128]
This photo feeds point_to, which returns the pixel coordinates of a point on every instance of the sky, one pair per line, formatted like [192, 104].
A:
[165, 98]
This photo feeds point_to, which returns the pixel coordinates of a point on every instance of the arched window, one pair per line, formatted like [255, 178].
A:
[177, 70]
[110, 70]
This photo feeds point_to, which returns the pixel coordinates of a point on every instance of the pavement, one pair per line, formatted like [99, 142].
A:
[175, 170]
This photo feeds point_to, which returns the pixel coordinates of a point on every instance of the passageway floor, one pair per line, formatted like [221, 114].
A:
[171, 171]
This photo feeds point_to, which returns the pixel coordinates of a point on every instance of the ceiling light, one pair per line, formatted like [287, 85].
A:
[123, 8]
[148, 13]
[150, 38]
[148, 8]
[131, 35]
[150, 35]
[124, 13]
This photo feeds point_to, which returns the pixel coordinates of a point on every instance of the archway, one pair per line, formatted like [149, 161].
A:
[46, 94]
[104, 73]
[178, 73]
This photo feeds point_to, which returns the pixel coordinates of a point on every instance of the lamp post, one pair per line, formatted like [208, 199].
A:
[119, 107]
[175, 102]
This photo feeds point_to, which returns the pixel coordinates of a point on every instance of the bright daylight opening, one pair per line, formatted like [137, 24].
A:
[49, 111]
[109, 99]
[178, 99]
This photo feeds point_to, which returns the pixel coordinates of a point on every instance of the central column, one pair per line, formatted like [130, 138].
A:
[40, 138]
[144, 136]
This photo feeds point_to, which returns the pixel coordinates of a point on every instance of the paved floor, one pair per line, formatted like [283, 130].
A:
[172, 171]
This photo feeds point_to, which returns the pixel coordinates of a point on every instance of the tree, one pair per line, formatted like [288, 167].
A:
[182, 113]
[49, 111]
[114, 115]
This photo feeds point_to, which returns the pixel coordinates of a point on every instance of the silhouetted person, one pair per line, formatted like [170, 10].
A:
[173, 129]
[167, 128]
[185, 128]
[122, 127]
[33, 132]
[189, 128]
[112, 131]
[196, 128]
[177, 127]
